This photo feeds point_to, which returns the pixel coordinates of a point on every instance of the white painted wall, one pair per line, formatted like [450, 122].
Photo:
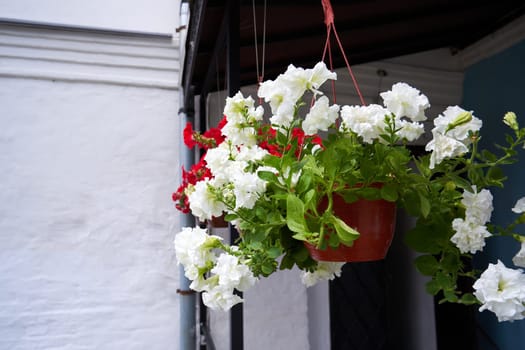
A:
[154, 16]
[88, 162]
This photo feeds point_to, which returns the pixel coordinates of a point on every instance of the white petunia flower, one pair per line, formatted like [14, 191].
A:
[367, 122]
[470, 236]
[406, 101]
[325, 271]
[293, 83]
[320, 117]
[251, 154]
[222, 179]
[451, 141]
[240, 134]
[220, 298]
[519, 258]
[519, 207]
[204, 203]
[241, 130]
[219, 158]
[443, 147]
[193, 249]
[459, 132]
[319, 75]
[236, 107]
[233, 274]
[502, 291]
[478, 205]
[247, 189]
[199, 284]
[284, 115]
[283, 93]
[409, 131]
[273, 93]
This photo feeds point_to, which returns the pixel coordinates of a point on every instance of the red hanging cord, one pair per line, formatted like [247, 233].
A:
[260, 75]
[330, 25]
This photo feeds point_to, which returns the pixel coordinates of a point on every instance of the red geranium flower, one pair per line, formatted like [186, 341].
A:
[211, 138]
[188, 136]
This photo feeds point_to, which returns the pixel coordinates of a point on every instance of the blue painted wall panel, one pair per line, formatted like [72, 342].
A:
[491, 88]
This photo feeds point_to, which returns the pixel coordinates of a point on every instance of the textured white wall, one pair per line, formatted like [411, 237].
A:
[87, 167]
[276, 313]
[156, 16]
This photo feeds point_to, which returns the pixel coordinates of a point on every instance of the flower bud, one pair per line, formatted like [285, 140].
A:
[450, 186]
[462, 118]
[510, 120]
[212, 242]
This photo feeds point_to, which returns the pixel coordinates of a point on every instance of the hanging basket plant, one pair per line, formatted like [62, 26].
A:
[296, 197]
[283, 187]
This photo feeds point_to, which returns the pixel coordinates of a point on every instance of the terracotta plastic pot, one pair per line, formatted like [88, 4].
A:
[218, 222]
[375, 221]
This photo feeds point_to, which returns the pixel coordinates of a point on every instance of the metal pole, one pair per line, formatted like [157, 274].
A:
[233, 79]
[187, 312]
[188, 322]
[187, 315]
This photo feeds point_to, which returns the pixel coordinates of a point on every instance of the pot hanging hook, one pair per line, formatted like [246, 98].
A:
[329, 20]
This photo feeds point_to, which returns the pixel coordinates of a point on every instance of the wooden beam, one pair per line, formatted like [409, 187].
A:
[196, 23]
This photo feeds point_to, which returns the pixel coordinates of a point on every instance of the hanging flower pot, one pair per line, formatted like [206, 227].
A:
[375, 221]
[218, 222]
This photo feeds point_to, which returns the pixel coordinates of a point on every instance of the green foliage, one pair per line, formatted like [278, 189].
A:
[294, 213]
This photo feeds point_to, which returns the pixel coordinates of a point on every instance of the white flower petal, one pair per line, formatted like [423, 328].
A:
[502, 291]
[519, 207]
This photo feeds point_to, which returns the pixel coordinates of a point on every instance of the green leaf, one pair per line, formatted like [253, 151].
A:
[468, 299]
[475, 175]
[267, 176]
[287, 262]
[272, 161]
[309, 196]
[346, 234]
[282, 138]
[489, 156]
[426, 264]
[230, 217]
[304, 183]
[450, 296]
[274, 252]
[300, 254]
[461, 182]
[389, 192]
[422, 238]
[255, 245]
[451, 261]
[411, 203]
[432, 287]
[348, 195]
[300, 236]
[370, 193]
[267, 268]
[368, 170]
[295, 214]
[495, 175]
[424, 204]
[446, 282]
[333, 241]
